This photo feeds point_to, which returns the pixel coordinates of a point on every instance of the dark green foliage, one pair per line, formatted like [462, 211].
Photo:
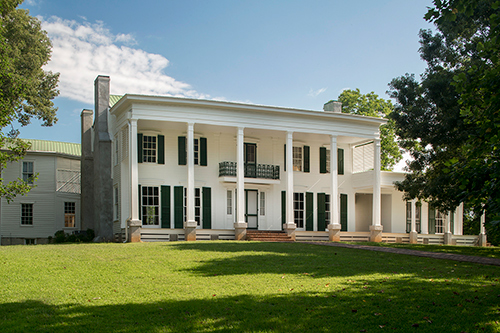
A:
[371, 105]
[76, 237]
[449, 120]
[26, 90]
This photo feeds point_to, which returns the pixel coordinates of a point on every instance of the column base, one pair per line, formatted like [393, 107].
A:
[240, 230]
[190, 230]
[334, 232]
[448, 238]
[413, 237]
[134, 227]
[482, 241]
[290, 227]
[376, 233]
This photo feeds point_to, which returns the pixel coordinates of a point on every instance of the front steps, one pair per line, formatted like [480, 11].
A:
[268, 236]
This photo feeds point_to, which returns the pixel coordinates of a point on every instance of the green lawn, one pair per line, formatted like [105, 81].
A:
[240, 286]
[490, 252]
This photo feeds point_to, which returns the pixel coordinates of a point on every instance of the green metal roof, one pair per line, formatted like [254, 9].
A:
[67, 148]
[113, 99]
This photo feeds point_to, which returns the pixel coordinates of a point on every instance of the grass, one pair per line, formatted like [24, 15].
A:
[490, 252]
[241, 287]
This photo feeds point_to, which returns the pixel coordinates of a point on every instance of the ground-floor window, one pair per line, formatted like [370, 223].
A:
[418, 211]
[440, 221]
[27, 214]
[69, 214]
[327, 209]
[197, 205]
[262, 207]
[150, 205]
[298, 209]
[229, 202]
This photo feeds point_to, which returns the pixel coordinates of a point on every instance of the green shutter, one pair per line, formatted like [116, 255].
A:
[203, 151]
[207, 208]
[307, 154]
[178, 207]
[432, 220]
[309, 211]
[322, 160]
[181, 145]
[321, 211]
[139, 147]
[140, 203]
[283, 208]
[165, 206]
[340, 157]
[343, 212]
[284, 164]
[161, 149]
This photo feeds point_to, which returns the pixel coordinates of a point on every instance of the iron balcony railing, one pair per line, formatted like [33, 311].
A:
[265, 171]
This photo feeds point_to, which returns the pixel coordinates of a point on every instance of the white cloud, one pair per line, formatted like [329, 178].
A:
[82, 51]
[315, 93]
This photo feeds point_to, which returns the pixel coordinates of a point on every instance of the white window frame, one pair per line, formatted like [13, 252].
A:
[116, 147]
[150, 205]
[116, 203]
[440, 220]
[297, 158]
[29, 176]
[327, 209]
[23, 216]
[149, 153]
[197, 205]
[229, 202]
[299, 209]
[262, 204]
[68, 215]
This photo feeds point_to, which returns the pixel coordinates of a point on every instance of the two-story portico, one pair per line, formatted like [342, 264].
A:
[200, 169]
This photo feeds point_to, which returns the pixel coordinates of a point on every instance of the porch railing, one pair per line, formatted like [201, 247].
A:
[264, 171]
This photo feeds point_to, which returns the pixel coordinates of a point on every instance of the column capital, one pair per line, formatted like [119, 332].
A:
[333, 137]
[132, 121]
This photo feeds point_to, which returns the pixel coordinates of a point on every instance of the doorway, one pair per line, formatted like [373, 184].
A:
[251, 213]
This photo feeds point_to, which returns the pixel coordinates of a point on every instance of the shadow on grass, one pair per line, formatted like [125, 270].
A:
[314, 260]
[355, 309]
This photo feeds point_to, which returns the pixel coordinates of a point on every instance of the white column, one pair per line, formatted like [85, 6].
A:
[334, 198]
[482, 229]
[376, 184]
[133, 170]
[414, 215]
[289, 179]
[240, 176]
[190, 176]
[133, 232]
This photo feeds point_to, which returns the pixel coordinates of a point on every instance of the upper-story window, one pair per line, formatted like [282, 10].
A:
[199, 151]
[297, 158]
[324, 160]
[28, 173]
[151, 148]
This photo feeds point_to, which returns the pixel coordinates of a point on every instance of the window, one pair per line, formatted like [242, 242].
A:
[327, 161]
[150, 205]
[327, 209]
[229, 202]
[418, 211]
[29, 241]
[297, 158]
[27, 214]
[149, 148]
[440, 221]
[298, 209]
[418, 208]
[115, 155]
[116, 201]
[262, 203]
[28, 174]
[197, 205]
[196, 151]
[69, 214]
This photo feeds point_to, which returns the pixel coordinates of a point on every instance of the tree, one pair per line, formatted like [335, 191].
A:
[450, 120]
[26, 90]
[371, 105]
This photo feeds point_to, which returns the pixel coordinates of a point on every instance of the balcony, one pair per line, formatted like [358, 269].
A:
[257, 171]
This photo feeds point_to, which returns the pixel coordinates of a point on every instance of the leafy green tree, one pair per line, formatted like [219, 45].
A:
[371, 105]
[450, 120]
[26, 90]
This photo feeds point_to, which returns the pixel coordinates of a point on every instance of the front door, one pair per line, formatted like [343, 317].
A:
[251, 215]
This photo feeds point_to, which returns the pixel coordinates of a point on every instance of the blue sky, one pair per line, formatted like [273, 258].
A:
[288, 53]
